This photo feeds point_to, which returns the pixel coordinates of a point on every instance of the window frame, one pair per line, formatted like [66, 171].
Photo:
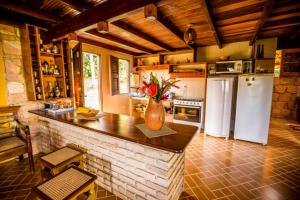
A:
[115, 76]
[128, 75]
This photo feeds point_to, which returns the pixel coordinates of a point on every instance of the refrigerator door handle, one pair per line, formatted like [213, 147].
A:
[223, 108]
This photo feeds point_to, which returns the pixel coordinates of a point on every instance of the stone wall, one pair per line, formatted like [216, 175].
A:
[11, 51]
[128, 170]
[284, 97]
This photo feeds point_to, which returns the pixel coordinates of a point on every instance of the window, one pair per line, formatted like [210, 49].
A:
[119, 76]
[91, 80]
[124, 76]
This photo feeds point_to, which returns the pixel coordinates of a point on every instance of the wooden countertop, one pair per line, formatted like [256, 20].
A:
[123, 126]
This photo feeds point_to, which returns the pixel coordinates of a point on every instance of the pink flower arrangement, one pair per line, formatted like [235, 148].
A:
[156, 90]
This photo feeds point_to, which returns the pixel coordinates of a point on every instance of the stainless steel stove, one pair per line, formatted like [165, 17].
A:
[188, 111]
[189, 102]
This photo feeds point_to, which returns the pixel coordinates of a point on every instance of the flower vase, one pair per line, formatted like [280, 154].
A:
[154, 115]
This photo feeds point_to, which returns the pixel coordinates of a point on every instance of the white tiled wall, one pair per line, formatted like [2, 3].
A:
[194, 86]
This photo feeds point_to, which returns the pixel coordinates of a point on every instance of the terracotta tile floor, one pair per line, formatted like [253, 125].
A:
[215, 169]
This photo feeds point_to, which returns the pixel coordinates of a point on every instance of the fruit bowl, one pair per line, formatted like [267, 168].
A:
[86, 112]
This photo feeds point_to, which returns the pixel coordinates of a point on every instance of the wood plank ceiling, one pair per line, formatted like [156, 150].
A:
[216, 21]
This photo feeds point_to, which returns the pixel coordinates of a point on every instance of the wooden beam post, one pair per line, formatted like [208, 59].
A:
[145, 36]
[103, 45]
[267, 10]
[211, 22]
[120, 41]
[100, 12]
[29, 11]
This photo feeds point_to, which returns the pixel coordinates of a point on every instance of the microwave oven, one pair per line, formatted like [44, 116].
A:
[234, 66]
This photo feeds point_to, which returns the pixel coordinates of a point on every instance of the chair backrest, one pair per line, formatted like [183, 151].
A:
[8, 116]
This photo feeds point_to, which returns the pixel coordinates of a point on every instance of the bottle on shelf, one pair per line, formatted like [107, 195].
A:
[56, 70]
[51, 68]
[38, 96]
[57, 90]
[262, 51]
[50, 88]
[35, 74]
[55, 49]
[45, 67]
[41, 46]
[38, 89]
[36, 81]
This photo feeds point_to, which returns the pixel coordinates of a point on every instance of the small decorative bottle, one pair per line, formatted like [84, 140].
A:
[262, 51]
[51, 93]
[56, 70]
[41, 46]
[45, 67]
[38, 96]
[55, 49]
[57, 90]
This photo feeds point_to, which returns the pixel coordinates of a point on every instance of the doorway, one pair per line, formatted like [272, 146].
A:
[91, 82]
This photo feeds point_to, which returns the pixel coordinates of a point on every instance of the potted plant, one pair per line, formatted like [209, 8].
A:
[155, 112]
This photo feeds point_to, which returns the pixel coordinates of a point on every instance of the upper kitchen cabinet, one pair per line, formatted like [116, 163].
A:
[47, 66]
[290, 62]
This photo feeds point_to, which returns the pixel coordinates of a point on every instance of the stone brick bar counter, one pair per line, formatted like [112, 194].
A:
[126, 162]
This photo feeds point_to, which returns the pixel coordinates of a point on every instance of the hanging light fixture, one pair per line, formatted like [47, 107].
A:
[102, 27]
[190, 35]
[150, 12]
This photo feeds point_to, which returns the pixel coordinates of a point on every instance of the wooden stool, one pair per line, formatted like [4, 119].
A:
[69, 184]
[57, 161]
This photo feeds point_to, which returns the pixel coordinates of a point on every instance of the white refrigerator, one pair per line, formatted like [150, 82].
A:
[253, 108]
[219, 106]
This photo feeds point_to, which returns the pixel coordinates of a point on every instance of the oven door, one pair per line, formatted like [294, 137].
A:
[187, 113]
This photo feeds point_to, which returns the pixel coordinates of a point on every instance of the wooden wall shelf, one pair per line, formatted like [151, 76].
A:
[50, 54]
[188, 75]
[290, 62]
[152, 67]
[189, 64]
[38, 79]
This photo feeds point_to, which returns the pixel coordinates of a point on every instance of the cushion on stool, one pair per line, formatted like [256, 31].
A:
[57, 157]
[65, 184]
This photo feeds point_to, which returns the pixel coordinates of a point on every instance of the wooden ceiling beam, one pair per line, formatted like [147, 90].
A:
[239, 12]
[166, 23]
[29, 11]
[145, 36]
[267, 10]
[78, 5]
[103, 45]
[288, 22]
[120, 41]
[209, 17]
[101, 12]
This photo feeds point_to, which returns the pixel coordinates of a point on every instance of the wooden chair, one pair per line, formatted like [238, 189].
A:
[15, 137]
